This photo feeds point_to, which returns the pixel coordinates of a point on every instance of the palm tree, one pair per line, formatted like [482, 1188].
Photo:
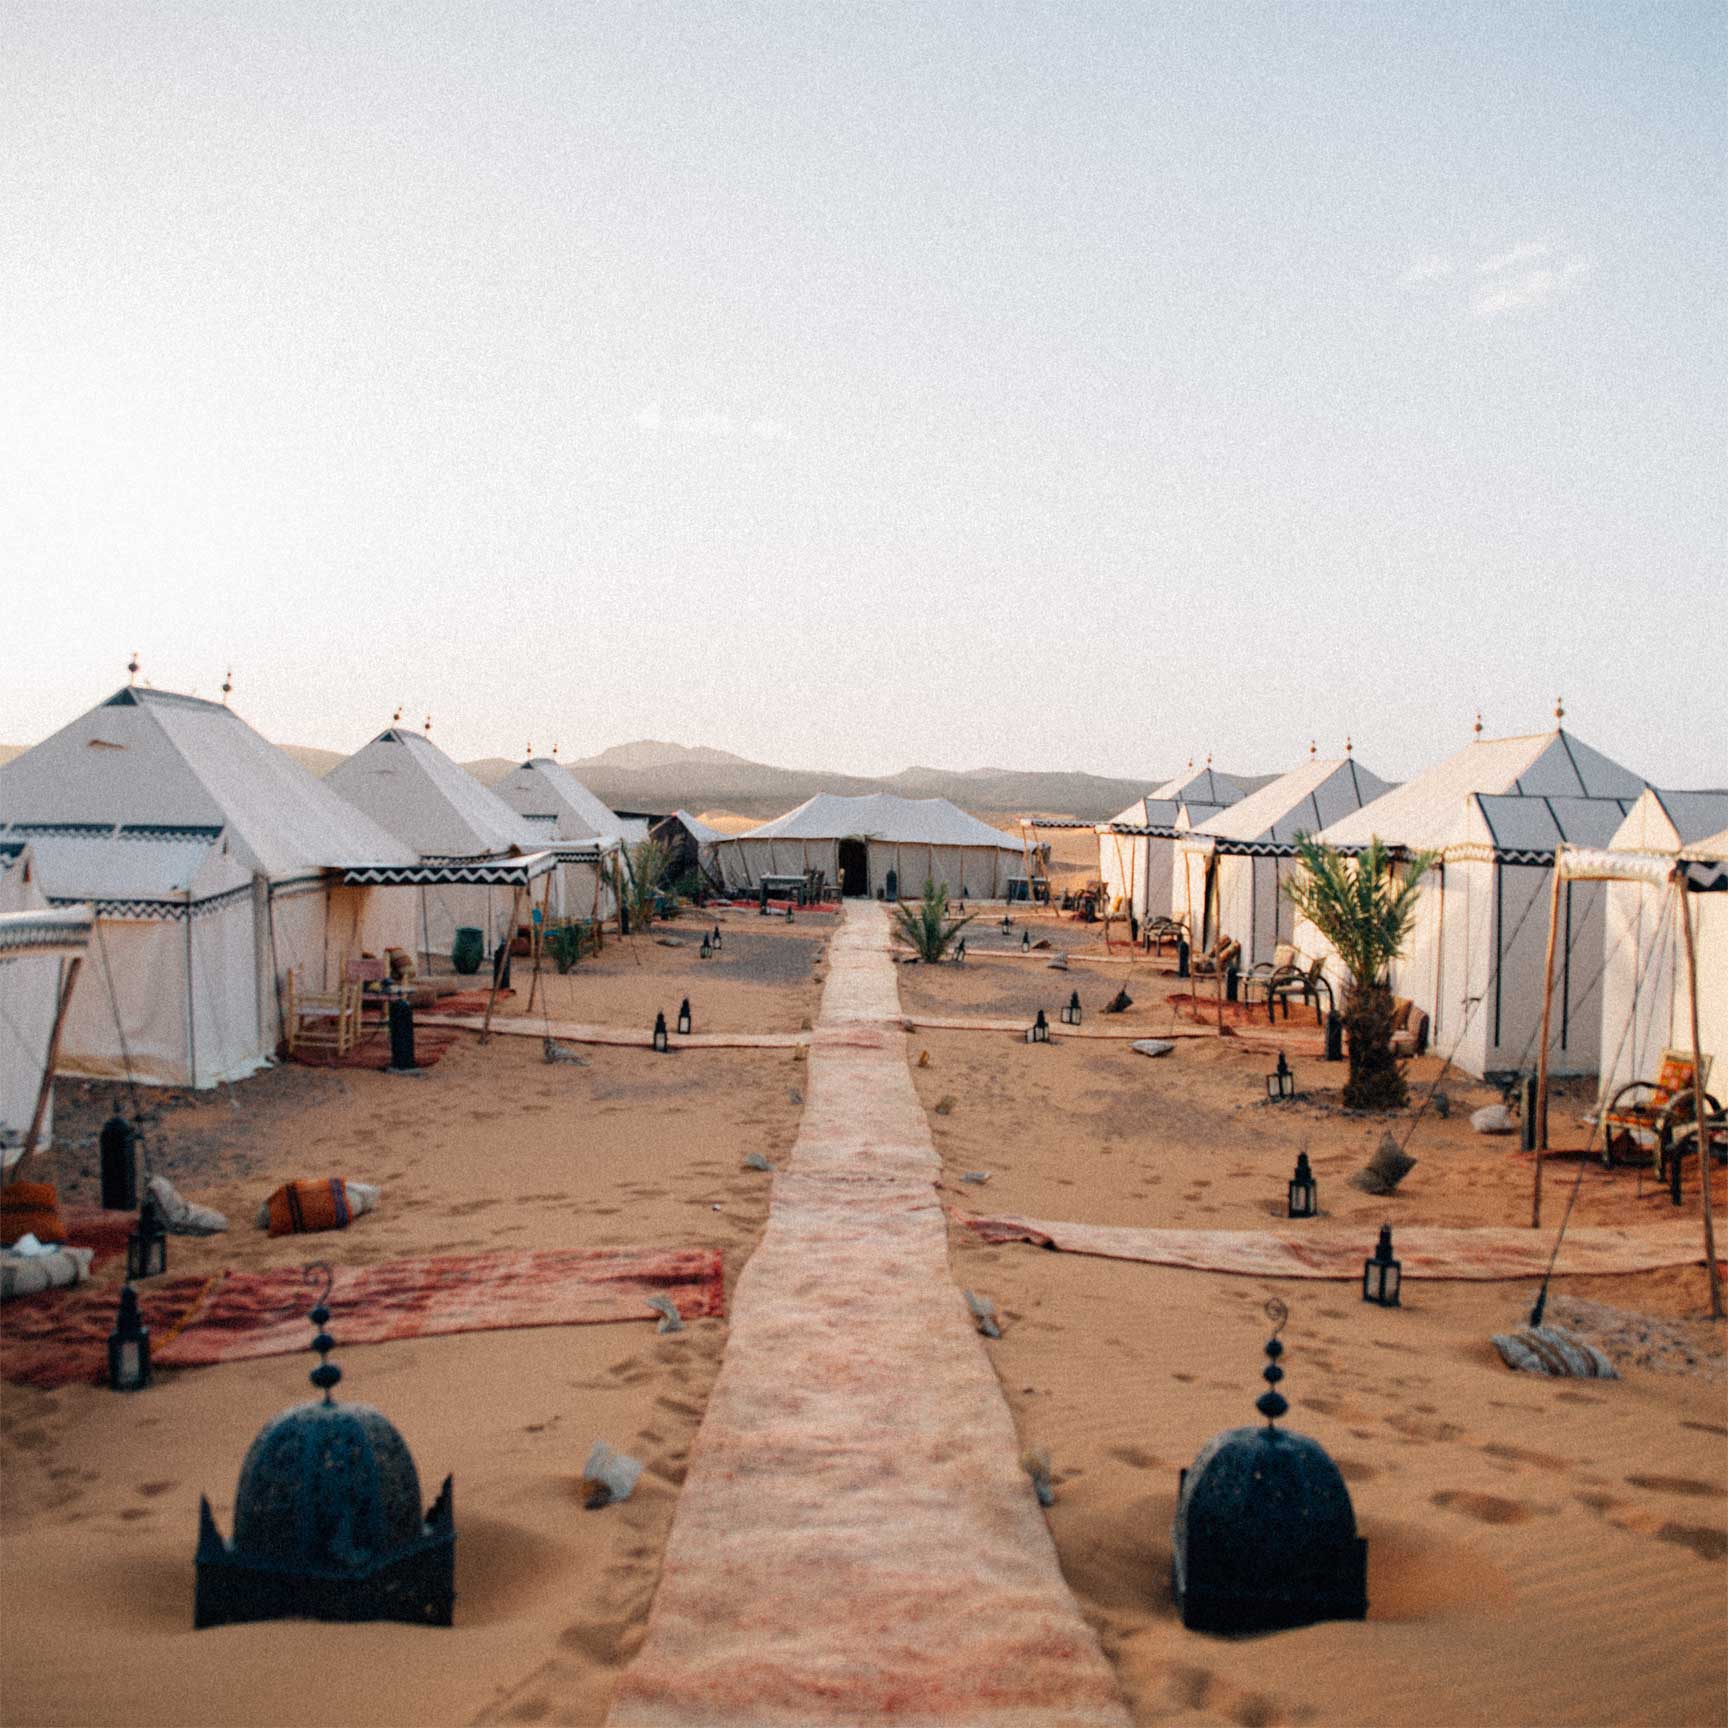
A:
[926, 926]
[635, 878]
[1365, 912]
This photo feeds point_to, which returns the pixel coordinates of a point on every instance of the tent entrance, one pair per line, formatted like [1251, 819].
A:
[854, 869]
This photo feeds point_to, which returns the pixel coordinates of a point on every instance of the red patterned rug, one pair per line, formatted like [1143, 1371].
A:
[60, 1336]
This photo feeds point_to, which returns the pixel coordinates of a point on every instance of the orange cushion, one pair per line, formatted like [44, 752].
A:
[30, 1208]
[307, 1206]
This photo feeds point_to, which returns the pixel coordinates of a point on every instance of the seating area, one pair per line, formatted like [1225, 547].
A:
[1217, 960]
[1657, 1119]
[328, 1021]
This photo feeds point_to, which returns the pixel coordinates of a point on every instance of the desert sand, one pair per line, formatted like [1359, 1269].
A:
[1540, 1551]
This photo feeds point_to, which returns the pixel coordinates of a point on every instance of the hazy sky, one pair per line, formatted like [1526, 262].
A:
[857, 385]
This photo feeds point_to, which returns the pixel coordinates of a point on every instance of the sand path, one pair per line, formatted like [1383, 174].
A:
[855, 1537]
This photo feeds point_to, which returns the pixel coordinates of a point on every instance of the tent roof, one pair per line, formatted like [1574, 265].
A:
[91, 862]
[1667, 821]
[879, 816]
[1515, 824]
[410, 787]
[1303, 801]
[699, 830]
[1429, 810]
[1164, 814]
[1201, 786]
[543, 786]
[154, 757]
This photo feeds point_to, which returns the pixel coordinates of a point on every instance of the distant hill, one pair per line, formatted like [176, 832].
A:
[653, 775]
[318, 762]
[8, 751]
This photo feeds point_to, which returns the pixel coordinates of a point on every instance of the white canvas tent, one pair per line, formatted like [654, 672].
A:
[568, 819]
[1232, 867]
[860, 843]
[690, 841]
[1495, 813]
[39, 946]
[1137, 847]
[474, 855]
[1644, 1001]
[214, 864]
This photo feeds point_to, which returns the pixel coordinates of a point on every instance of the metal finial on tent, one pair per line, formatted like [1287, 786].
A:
[1349, 744]
[530, 756]
[554, 749]
[227, 685]
[1559, 709]
[427, 728]
[1477, 728]
[132, 668]
[1313, 747]
[396, 718]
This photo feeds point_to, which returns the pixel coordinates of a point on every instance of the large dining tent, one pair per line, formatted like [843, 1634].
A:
[1645, 1009]
[214, 862]
[567, 819]
[1494, 815]
[473, 857]
[879, 844]
[1137, 846]
[1231, 868]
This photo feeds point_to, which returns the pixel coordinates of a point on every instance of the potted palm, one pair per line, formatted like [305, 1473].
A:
[1365, 910]
[924, 925]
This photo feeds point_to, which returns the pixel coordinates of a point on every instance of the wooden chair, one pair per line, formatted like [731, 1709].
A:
[322, 1019]
[1658, 1117]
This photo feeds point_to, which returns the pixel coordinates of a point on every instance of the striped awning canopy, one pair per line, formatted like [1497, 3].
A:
[429, 872]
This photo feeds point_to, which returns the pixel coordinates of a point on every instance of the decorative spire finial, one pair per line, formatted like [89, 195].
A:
[554, 749]
[227, 685]
[1349, 744]
[1313, 748]
[530, 756]
[132, 668]
[1477, 728]
[326, 1376]
[427, 728]
[1559, 709]
[1271, 1403]
[396, 718]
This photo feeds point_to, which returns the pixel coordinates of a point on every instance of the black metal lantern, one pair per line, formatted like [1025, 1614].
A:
[660, 1043]
[328, 1520]
[1264, 1536]
[1281, 1083]
[147, 1246]
[719, 940]
[788, 911]
[1382, 1276]
[1071, 1014]
[1304, 1190]
[684, 1018]
[119, 1148]
[960, 951]
[706, 951]
[1334, 1035]
[1007, 923]
[1039, 1031]
[129, 1346]
[1026, 941]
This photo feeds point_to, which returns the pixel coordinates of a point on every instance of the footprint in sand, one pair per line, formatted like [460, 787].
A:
[1135, 1457]
[1706, 1543]
[1484, 1508]
[151, 1489]
[1679, 1485]
[1523, 1455]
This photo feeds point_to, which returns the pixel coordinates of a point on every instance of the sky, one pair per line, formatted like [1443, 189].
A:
[1068, 386]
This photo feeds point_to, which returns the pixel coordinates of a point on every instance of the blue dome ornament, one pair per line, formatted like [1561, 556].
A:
[327, 1519]
[1265, 1534]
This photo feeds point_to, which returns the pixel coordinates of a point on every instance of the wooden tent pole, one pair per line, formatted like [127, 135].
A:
[1698, 1110]
[1542, 1054]
[46, 1090]
[537, 934]
[498, 962]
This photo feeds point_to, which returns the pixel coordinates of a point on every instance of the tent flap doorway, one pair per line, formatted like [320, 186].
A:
[854, 868]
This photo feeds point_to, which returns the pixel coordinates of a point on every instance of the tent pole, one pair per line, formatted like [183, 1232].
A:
[191, 1006]
[498, 961]
[1698, 1112]
[46, 1090]
[1542, 1052]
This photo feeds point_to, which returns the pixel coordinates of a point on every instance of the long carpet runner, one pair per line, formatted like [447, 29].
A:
[60, 1337]
[856, 1540]
[1337, 1251]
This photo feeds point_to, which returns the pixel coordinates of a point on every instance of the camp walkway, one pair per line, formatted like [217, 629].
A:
[855, 1538]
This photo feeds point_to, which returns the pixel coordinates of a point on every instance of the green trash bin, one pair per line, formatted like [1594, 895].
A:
[468, 950]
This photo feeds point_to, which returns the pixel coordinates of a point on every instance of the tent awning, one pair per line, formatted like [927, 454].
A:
[1701, 875]
[487, 872]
